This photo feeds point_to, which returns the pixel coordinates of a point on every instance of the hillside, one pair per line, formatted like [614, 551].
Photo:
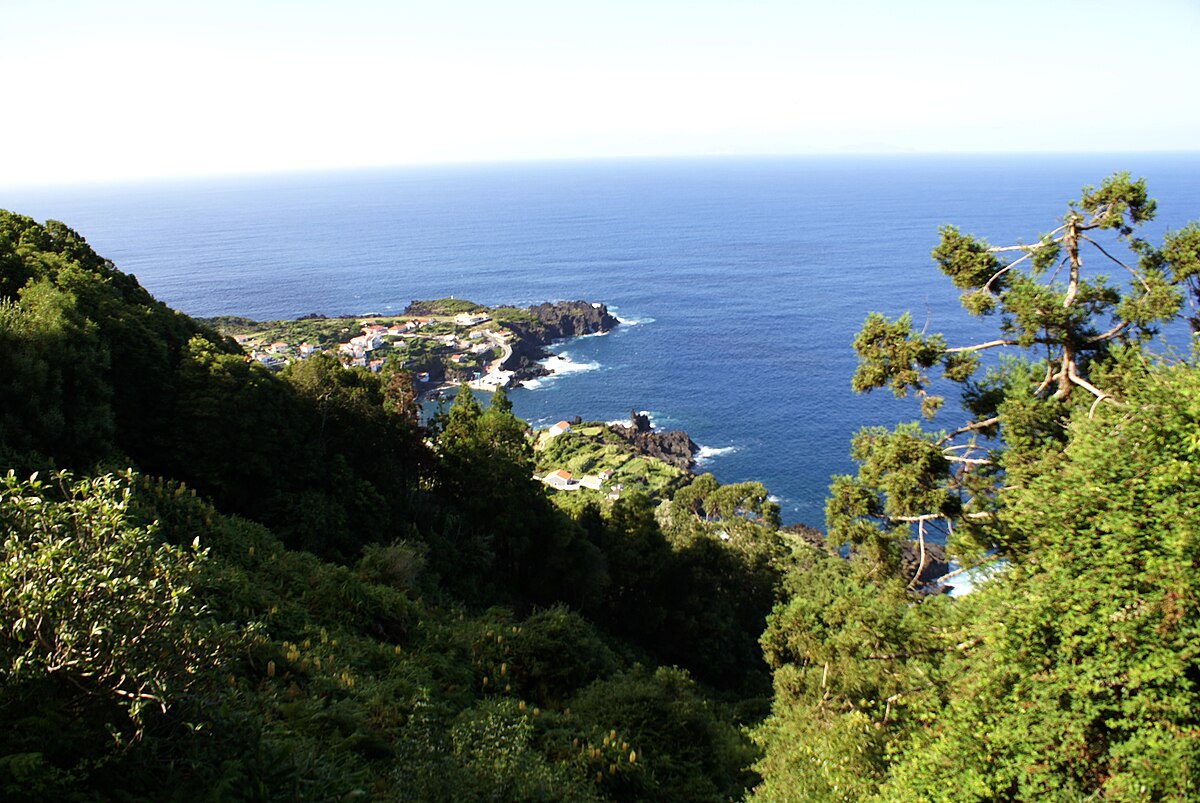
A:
[223, 581]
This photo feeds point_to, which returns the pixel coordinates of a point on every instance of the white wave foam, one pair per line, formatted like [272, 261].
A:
[559, 365]
[634, 321]
[563, 364]
[630, 320]
[707, 453]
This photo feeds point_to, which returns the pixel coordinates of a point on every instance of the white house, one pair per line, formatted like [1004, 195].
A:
[560, 480]
[591, 481]
[558, 429]
[470, 318]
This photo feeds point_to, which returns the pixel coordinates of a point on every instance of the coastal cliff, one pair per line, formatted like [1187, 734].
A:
[547, 323]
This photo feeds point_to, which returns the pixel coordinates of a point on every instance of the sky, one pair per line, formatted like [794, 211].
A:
[135, 89]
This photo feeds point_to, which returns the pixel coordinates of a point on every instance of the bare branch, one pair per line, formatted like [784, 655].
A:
[980, 346]
[988, 286]
[999, 249]
[941, 581]
[971, 461]
[1111, 333]
[973, 425]
[1050, 376]
[1086, 385]
[921, 564]
[1100, 248]
[935, 516]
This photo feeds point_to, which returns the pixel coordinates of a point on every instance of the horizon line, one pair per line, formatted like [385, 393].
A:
[329, 170]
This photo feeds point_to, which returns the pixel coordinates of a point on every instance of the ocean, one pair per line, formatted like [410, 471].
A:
[740, 281]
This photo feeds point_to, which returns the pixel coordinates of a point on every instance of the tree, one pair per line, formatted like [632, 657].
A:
[97, 601]
[1063, 328]
[1083, 678]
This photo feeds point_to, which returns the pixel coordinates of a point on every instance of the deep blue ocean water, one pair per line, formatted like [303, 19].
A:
[742, 281]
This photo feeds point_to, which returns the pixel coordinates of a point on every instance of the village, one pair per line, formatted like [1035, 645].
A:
[440, 351]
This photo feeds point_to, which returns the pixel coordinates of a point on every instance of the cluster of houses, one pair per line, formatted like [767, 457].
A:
[563, 480]
[361, 349]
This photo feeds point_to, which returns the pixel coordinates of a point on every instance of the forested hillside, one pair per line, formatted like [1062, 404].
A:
[284, 586]
[224, 583]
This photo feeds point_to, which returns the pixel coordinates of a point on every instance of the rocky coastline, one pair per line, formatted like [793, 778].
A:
[551, 322]
[674, 448]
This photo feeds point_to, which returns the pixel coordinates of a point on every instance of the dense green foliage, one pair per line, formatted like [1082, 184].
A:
[339, 601]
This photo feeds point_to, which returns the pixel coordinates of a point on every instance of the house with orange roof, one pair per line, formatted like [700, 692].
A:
[560, 480]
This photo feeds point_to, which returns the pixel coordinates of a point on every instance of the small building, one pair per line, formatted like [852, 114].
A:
[560, 480]
[278, 347]
[423, 376]
[606, 475]
[471, 318]
[558, 429]
[591, 481]
[375, 366]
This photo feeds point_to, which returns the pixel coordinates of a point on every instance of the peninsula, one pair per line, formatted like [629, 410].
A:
[442, 343]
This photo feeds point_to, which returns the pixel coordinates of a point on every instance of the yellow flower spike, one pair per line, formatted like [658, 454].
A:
[632, 756]
[397, 649]
[537, 711]
[612, 736]
[270, 669]
[316, 662]
[521, 706]
[508, 687]
[503, 668]
[251, 551]
[485, 680]
[612, 769]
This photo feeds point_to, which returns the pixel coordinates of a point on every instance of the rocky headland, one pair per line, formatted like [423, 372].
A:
[550, 322]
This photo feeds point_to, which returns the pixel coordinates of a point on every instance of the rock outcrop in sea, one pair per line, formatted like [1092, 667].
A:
[674, 448]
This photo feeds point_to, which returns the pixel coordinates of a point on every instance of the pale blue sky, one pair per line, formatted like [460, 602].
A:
[125, 89]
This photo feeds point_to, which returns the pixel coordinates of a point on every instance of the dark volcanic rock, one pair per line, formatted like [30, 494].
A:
[810, 535]
[674, 448]
[564, 319]
[557, 321]
[936, 563]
